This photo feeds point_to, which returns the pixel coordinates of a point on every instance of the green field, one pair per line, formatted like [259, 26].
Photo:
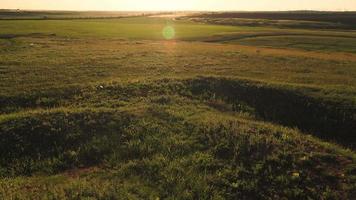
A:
[112, 109]
[313, 43]
[126, 28]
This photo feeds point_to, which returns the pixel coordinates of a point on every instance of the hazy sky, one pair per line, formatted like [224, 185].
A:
[180, 4]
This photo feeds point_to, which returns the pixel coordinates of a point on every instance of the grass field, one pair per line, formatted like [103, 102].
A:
[25, 14]
[127, 28]
[124, 109]
[307, 19]
[314, 43]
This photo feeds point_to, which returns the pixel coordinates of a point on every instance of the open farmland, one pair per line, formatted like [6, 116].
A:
[175, 108]
[24, 14]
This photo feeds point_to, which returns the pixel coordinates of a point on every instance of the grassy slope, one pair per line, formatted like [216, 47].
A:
[34, 64]
[88, 88]
[306, 19]
[306, 35]
[169, 147]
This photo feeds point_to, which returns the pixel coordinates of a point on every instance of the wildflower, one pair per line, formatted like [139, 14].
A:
[304, 158]
[296, 174]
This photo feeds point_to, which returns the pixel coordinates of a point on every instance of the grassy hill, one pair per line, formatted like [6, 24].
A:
[308, 19]
[111, 109]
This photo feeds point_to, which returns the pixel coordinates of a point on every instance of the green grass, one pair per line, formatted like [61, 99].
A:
[34, 64]
[109, 109]
[132, 28]
[282, 19]
[311, 43]
[168, 147]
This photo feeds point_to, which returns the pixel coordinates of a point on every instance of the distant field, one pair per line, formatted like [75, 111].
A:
[130, 109]
[127, 28]
[23, 14]
[346, 18]
[305, 42]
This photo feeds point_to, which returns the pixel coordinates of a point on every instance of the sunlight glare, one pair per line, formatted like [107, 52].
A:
[168, 32]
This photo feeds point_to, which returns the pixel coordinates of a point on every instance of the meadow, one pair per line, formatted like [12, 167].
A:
[149, 107]
[311, 19]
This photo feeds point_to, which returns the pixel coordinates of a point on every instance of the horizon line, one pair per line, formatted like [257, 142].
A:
[92, 10]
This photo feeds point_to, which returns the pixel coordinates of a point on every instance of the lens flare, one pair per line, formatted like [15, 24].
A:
[168, 32]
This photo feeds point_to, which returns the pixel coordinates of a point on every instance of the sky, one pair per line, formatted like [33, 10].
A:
[190, 5]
